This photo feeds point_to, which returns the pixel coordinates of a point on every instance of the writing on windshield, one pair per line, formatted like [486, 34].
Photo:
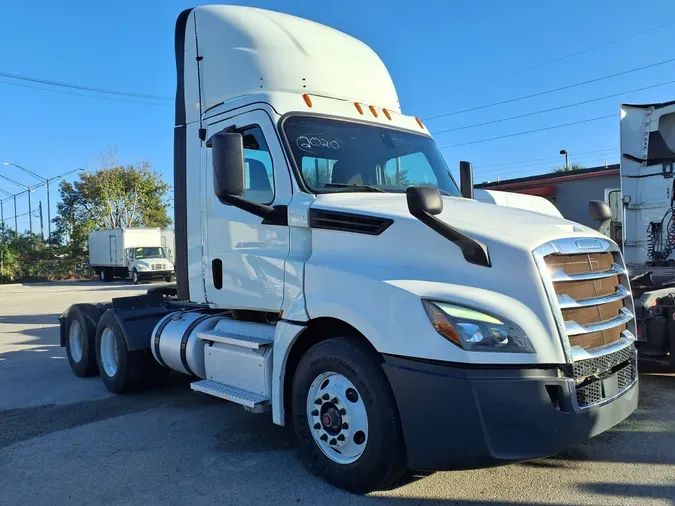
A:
[339, 156]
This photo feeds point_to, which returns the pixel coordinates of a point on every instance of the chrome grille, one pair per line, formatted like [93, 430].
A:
[589, 293]
[587, 286]
[589, 395]
[158, 267]
[598, 365]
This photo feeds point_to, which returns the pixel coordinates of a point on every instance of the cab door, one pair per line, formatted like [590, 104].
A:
[244, 257]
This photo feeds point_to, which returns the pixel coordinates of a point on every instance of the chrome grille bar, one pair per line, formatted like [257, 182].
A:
[566, 302]
[559, 275]
[573, 328]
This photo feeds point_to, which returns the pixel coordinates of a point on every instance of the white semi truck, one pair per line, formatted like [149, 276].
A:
[642, 216]
[134, 253]
[331, 272]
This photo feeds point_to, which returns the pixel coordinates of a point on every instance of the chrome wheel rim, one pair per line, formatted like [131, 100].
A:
[109, 352]
[135, 277]
[102, 275]
[75, 341]
[337, 417]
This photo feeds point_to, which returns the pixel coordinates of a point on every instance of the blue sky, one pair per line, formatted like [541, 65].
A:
[438, 53]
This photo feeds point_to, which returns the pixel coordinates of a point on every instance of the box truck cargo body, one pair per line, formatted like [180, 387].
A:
[135, 253]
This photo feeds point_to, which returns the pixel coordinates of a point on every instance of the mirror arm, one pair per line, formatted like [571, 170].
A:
[272, 215]
[475, 252]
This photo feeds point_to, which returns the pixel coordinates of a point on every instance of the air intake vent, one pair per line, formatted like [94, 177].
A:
[348, 222]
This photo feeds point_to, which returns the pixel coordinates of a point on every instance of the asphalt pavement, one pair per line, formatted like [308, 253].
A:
[66, 440]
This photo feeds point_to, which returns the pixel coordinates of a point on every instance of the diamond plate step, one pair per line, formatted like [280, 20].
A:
[219, 336]
[228, 393]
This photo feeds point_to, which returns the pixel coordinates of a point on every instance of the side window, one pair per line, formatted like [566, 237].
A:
[258, 169]
[412, 169]
[317, 171]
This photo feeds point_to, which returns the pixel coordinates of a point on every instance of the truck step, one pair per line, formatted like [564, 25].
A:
[228, 393]
[238, 333]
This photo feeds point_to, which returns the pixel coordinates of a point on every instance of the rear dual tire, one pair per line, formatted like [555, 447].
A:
[357, 455]
[122, 370]
[80, 333]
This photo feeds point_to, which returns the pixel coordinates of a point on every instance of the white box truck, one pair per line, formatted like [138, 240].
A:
[330, 271]
[134, 253]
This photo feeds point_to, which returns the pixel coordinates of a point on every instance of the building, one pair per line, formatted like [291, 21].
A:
[569, 191]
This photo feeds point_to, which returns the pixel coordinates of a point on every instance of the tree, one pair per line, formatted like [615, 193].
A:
[573, 167]
[112, 197]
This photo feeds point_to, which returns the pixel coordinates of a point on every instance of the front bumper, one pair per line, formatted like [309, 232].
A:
[154, 274]
[463, 418]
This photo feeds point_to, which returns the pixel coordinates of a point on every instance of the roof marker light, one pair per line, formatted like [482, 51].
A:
[373, 110]
[308, 100]
[419, 122]
[358, 107]
[386, 113]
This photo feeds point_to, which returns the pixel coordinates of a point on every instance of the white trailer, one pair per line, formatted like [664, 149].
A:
[135, 253]
[330, 271]
[643, 212]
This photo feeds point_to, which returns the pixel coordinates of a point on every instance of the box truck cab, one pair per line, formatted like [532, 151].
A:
[331, 272]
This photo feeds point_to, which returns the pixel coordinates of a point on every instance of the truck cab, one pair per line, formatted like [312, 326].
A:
[331, 272]
[148, 262]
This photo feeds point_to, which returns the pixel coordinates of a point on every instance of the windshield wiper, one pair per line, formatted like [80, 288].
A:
[364, 187]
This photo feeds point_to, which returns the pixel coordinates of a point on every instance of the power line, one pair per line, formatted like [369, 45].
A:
[551, 109]
[557, 157]
[546, 92]
[555, 162]
[555, 60]
[547, 168]
[529, 131]
[83, 88]
[118, 99]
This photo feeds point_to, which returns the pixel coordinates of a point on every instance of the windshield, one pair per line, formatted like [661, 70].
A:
[149, 253]
[341, 156]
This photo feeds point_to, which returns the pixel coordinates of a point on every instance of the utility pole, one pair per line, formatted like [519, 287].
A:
[42, 225]
[45, 180]
[28, 189]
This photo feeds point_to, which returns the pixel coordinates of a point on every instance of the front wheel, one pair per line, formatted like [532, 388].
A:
[345, 416]
[135, 278]
[168, 279]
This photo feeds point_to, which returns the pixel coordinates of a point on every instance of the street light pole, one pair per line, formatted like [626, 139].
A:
[45, 180]
[28, 189]
[564, 152]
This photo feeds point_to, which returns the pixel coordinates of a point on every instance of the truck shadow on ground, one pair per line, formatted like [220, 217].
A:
[40, 319]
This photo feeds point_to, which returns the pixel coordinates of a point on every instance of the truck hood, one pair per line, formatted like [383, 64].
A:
[477, 219]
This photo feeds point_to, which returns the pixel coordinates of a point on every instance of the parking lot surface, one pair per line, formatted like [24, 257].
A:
[66, 440]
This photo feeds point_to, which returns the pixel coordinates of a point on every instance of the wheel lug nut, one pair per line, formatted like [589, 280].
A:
[317, 426]
[325, 397]
[323, 437]
[341, 437]
[343, 411]
[345, 426]
[318, 401]
[332, 442]
[315, 412]
[334, 400]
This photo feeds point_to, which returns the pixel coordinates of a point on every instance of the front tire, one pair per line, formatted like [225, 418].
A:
[345, 416]
[121, 370]
[168, 279]
[135, 278]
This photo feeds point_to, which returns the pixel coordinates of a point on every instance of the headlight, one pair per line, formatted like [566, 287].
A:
[475, 331]
[142, 266]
